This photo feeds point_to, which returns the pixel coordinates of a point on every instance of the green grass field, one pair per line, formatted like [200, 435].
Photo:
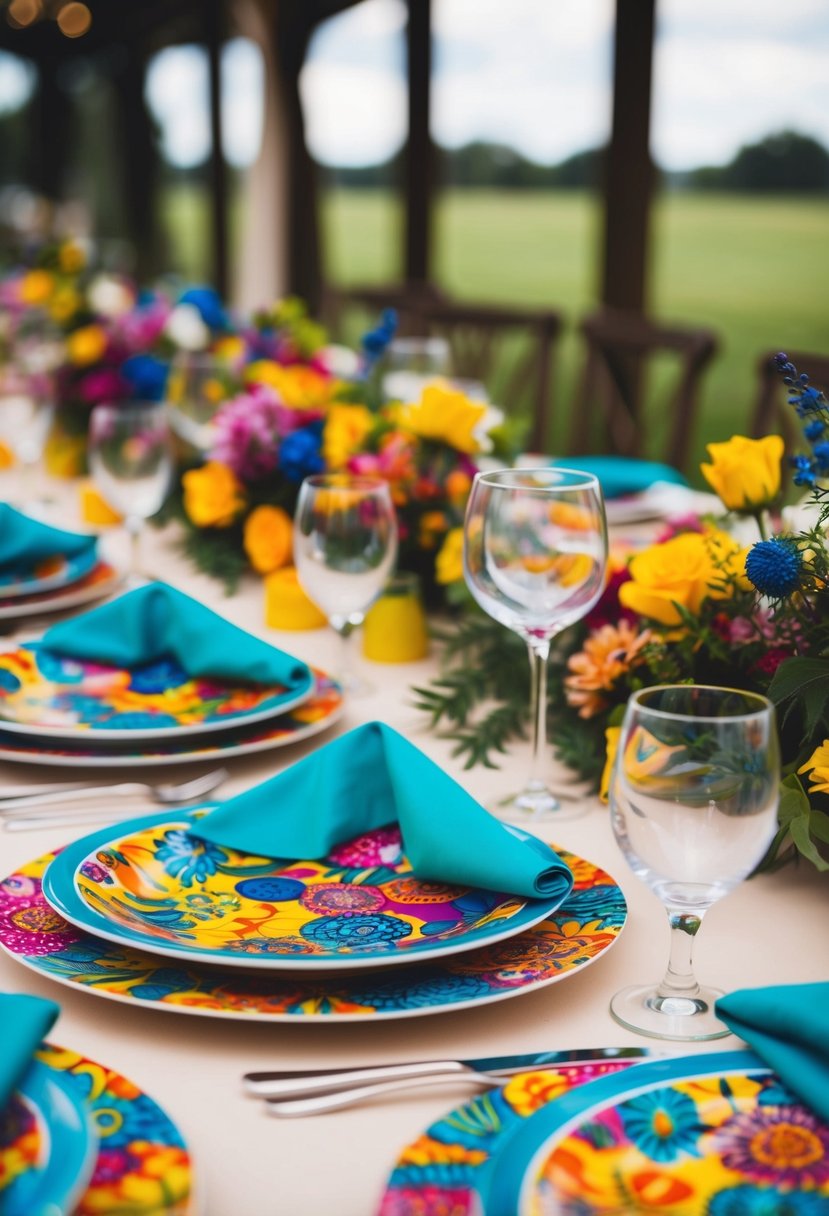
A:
[753, 269]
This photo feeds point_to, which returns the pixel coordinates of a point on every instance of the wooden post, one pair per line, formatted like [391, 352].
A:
[629, 169]
[419, 156]
[214, 26]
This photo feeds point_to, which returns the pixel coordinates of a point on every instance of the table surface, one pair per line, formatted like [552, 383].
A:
[770, 930]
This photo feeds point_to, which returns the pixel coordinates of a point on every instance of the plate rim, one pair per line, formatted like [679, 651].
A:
[30, 730]
[69, 596]
[64, 578]
[69, 904]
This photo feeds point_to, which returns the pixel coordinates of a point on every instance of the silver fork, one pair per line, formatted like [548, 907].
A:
[165, 793]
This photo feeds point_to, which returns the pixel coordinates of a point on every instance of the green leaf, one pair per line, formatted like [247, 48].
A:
[798, 816]
[802, 683]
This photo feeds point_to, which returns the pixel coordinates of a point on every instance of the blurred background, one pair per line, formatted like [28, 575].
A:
[664, 158]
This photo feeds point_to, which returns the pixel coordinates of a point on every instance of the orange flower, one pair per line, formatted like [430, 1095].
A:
[268, 538]
[213, 495]
[609, 653]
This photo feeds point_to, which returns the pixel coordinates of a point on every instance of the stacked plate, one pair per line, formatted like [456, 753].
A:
[145, 911]
[78, 1136]
[55, 583]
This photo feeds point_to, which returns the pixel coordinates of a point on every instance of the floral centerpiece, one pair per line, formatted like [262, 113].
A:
[697, 606]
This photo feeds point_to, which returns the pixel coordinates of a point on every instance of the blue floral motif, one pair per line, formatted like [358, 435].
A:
[603, 903]
[188, 858]
[158, 676]
[119, 1121]
[747, 1200]
[89, 711]
[8, 681]
[663, 1124]
[355, 932]
[270, 890]
[443, 989]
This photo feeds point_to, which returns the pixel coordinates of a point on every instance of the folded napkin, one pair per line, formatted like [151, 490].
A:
[788, 1027]
[372, 777]
[24, 1022]
[619, 475]
[24, 541]
[157, 621]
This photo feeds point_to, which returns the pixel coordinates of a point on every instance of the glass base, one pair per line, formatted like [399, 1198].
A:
[353, 685]
[683, 1018]
[538, 804]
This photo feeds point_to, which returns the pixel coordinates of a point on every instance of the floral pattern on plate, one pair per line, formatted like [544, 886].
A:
[154, 883]
[47, 574]
[580, 931]
[44, 693]
[102, 579]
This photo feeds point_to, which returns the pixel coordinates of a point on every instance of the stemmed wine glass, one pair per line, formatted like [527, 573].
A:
[535, 553]
[197, 386]
[345, 546]
[694, 807]
[131, 459]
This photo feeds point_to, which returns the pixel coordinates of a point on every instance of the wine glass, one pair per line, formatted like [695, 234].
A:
[197, 386]
[694, 807]
[412, 363]
[534, 557]
[131, 459]
[345, 546]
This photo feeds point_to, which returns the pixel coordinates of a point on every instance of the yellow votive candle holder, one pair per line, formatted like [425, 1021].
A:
[94, 507]
[286, 604]
[395, 630]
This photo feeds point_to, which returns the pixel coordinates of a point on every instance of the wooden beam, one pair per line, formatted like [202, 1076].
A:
[419, 161]
[629, 169]
[214, 26]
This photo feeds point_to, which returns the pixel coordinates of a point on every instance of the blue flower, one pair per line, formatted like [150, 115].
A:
[120, 1121]
[186, 857]
[299, 455]
[147, 376]
[355, 932]
[774, 567]
[747, 1200]
[158, 676]
[821, 454]
[376, 340]
[209, 304]
[663, 1124]
[804, 470]
[814, 429]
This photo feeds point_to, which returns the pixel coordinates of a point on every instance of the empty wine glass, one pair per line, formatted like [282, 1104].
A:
[197, 386]
[412, 363]
[26, 413]
[130, 457]
[535, 553]
[694, 807]
[345, 546]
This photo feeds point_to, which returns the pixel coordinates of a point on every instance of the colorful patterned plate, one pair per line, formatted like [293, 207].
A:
[584, 928]
[318, 713]
[47, 574]
[143, 1167]
[151, 882]
[48, 1146]
[715, 1134]
[101, 580]
[47, 695]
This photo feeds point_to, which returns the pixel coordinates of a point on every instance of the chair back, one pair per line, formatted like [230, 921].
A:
[630, 402]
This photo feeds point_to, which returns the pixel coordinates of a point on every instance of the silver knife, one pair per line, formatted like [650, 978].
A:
[296, 1083]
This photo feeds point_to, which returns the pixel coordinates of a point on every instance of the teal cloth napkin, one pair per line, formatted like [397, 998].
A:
[24, 1023]
[788, 1027]
[24, 541]
[372, 777]
[619, 475]
[157, 621]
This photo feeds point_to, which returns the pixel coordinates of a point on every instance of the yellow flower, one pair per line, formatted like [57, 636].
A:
[268, 538]
[449, 562]
[684, 571]
[64, 305]
[298, 386]
[346, 426]
[611, 738]
[446, 416]
[86, 345]
[745, 473]
[213, 495]
[71, 258]
[36, 287]
[214, 390]
[231, 348]
[817, 766]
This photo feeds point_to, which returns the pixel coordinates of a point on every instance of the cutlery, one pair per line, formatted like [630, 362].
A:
[165, 793]
[296, 1092]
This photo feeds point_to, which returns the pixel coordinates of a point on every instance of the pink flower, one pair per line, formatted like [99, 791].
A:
[105, 384]
[248, 430]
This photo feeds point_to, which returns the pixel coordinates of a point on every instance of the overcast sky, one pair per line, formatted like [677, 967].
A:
[534, 74]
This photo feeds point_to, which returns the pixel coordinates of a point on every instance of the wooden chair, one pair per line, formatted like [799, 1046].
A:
[510, 350]
[609, 412]
[772, 413]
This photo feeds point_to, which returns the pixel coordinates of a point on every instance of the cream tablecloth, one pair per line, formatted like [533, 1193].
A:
[770, 930]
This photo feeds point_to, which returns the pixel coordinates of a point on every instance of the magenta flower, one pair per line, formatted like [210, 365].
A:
[786, 1145]
[104, 384]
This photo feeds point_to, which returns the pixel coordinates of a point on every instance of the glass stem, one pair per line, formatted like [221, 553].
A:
[133, 526]
[679, 979]
[539, 652]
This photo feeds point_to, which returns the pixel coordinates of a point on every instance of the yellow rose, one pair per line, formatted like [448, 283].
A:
[213, 495]
[745, 473]
[36, 287]
[345, 429]
[268, 538]
[817, 766]
[298, 386]
[682, 571]
[445, 416]
[86, 345]
[449, 562]
[611, 738]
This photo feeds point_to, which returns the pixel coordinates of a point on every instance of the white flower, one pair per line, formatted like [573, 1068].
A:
[340, 361]
[110, 297]
[493, 418]
[186, 329]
